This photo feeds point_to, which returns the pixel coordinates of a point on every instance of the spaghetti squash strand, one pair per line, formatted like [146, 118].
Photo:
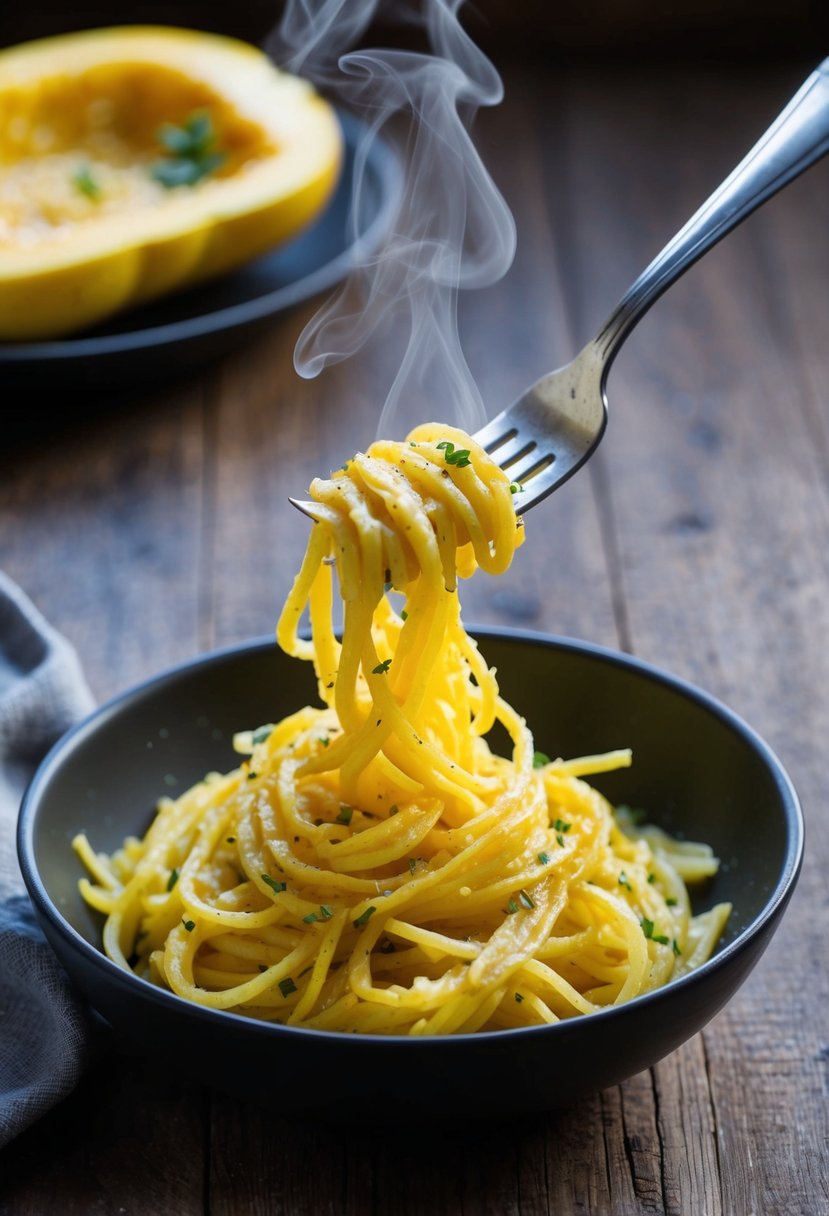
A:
[372, 866]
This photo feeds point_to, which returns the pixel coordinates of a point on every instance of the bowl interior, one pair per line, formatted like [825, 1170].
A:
[698, 771]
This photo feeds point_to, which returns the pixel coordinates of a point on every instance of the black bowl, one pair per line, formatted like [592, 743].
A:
[698, 770]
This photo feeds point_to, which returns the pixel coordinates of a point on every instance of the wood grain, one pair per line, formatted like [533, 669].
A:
[697, 537]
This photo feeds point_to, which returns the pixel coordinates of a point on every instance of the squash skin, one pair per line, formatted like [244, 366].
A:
[53, 287]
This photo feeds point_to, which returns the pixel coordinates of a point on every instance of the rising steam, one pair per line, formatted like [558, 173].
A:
[453, 228]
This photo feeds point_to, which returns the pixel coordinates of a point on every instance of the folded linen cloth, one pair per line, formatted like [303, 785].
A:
[44, 1027]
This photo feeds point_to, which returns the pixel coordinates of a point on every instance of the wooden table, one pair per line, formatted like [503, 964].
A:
[697, 538]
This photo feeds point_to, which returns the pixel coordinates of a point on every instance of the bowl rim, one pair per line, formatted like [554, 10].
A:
[137, 986]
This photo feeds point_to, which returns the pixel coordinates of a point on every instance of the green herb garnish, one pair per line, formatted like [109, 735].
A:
[511, 907]
[326, 911]
[544, 859]
[287, 986]
[381, 668]
[172, 880]
[345, 814]
[189, 925]
[274, 884]
[647, 929]
[309, 919]
[624, 881]
[519, 998]
[561, 825]
[364, 917]
[540, 759]
[83, 180]
[192, 155]
[456, 456]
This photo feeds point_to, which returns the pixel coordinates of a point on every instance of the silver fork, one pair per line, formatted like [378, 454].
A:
[552, 428]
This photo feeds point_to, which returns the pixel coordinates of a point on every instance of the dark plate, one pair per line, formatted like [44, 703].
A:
[187, 330]
[698, 770]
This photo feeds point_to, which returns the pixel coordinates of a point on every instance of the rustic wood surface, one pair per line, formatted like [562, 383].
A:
[698, 538]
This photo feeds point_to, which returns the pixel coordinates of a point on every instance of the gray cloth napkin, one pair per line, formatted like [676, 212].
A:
[44, 1027]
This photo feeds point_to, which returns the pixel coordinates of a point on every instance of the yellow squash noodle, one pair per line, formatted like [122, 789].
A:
[372, 866]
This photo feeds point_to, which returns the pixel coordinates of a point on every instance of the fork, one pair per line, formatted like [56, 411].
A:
[552, 428]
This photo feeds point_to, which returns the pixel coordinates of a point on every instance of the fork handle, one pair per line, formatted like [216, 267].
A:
[796, 139]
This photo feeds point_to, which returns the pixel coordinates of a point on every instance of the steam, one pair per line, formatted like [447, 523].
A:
[453, 229]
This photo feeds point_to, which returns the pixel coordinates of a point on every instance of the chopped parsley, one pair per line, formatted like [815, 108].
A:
[173, 879]
[364, 917]
[544, 859]
[189, 925]
[456, 456]
[560, 839]
[324, 740]
[561, 825]
[381, 668]
[624, 881]
[310, 918]
[675, 946]
[191, 152]
[511, 907]
[404, 616]
[252, 775]
[83, 180]
[518, 998]
[345, 814]
[647, 929]
[412, 865]
[274, 884]
[671, 902]
[326, 911]
[287, 986]
[651, 877]
[540, 759]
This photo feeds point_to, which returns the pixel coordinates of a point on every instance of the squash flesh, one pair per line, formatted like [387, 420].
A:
[92, 104]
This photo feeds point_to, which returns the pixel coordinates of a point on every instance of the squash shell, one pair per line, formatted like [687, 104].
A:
[59, 284]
